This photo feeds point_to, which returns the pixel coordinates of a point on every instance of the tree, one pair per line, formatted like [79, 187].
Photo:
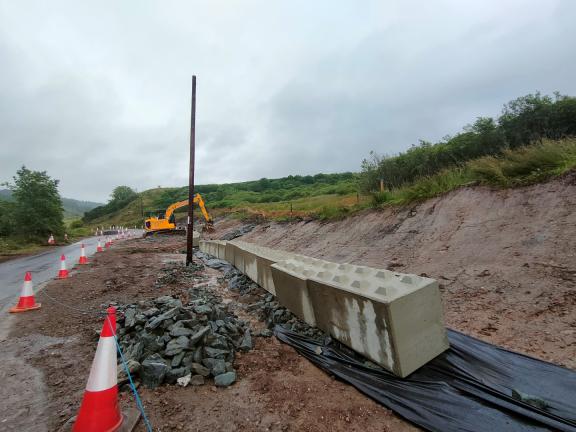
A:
[123, 194]
[38, 207]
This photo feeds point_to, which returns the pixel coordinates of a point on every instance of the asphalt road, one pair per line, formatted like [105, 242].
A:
[43, 266]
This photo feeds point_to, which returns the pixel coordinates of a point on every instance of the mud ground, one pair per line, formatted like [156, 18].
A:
[49, 353]
[505, 260]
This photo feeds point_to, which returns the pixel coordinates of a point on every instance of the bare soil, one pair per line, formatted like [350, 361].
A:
[506, 262]
[52, 349]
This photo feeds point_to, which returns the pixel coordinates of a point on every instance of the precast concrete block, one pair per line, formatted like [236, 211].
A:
[221, 246]
[394, 319]
[204, 246]
[257, 261]
[216, 248]
[229, 252]
[291, 286]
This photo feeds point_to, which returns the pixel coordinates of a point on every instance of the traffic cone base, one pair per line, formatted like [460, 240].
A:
[26, 302]
[99, 405]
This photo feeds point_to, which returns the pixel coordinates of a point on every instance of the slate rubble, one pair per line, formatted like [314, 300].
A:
[164, 340]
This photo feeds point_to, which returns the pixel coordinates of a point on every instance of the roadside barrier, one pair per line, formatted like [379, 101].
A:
[63, 273]
[83, 259]
[27, 302]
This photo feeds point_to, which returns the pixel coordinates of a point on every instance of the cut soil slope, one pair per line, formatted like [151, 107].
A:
[505, 259]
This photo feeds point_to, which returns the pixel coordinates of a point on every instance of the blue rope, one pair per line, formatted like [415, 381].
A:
[132, 386]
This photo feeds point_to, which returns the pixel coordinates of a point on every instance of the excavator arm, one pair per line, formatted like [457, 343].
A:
[173, 207]
[198, 199]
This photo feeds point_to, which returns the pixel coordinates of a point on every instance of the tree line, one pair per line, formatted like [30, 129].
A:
[525, 120]
[120, 197]
[34, 210]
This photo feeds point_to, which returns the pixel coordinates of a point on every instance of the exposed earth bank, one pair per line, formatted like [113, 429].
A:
[505, 259]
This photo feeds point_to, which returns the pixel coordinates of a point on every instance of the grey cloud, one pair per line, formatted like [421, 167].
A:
[98, 94]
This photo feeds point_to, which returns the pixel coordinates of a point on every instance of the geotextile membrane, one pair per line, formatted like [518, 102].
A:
[474, 386]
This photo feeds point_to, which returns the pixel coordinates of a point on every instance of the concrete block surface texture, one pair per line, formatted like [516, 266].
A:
[257, 261]
[394, 319]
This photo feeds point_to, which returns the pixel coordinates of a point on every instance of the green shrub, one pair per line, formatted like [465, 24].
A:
[76, 224]
[526, 120]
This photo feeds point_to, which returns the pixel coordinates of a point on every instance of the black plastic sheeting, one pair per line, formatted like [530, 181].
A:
[473, 386]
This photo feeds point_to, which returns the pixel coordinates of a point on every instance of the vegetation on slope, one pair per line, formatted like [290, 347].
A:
[519, 167]
[526, 120]
[265, 190]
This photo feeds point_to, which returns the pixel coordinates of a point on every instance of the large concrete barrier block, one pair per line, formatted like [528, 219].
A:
[216, 248]
[257, 261]
[204, 245]
[291, 286]
[394, 319]
[221, 249]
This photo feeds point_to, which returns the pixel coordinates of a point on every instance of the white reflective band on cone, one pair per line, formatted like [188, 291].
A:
[103, 371]
[27, 290]
[63, 265]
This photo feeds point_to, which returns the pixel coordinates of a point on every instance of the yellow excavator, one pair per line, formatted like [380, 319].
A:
[166, 223]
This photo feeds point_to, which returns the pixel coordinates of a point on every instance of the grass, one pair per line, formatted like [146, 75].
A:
[526, 165]
[22, 245]
[520, 167]
[14, 245]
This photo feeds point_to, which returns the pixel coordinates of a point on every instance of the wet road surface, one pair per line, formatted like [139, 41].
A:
[43, 266]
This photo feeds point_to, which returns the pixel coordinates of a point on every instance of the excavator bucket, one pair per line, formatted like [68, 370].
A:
[208, 227]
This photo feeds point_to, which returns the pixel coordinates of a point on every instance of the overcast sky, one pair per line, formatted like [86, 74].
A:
[98, 93]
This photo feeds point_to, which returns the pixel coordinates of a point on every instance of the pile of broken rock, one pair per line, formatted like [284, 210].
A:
[166, 341]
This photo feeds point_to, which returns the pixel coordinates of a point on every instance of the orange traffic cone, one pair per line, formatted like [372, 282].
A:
[83, 259]
[99, 411]
[27, 302]
[99, 247]
[63, 273]
[51, 240]
[107, 243]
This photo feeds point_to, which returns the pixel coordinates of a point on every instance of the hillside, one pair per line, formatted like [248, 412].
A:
[306, 194]
[73, 208]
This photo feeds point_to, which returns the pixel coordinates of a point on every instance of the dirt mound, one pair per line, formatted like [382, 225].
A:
[505, 259]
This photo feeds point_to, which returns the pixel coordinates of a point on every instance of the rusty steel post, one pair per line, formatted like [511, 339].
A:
[190, 226]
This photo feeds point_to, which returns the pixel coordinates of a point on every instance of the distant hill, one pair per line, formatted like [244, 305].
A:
[72, 207]
[275, 193]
